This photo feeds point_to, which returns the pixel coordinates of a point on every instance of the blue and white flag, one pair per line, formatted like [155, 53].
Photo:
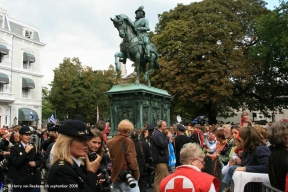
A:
[31, 115]
[52, 120]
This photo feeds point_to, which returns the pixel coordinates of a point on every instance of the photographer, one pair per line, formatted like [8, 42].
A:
[96, 146]
[144, 160]
[48, 144]
[125, 171]
[67, 172]
[52, 136]
[26, 162]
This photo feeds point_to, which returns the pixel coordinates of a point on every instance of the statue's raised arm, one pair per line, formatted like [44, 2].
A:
[136, 44]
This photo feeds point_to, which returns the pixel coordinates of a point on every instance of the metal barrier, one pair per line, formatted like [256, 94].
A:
[266, 187]
[220, 175]
[209, 165]
[215, 171]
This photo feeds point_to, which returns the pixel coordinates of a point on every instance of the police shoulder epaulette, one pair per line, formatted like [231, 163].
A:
[61, 162]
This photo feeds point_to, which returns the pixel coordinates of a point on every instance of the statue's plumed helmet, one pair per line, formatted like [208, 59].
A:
[141, 8]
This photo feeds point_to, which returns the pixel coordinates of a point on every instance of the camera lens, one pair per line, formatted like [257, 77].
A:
[130, 180]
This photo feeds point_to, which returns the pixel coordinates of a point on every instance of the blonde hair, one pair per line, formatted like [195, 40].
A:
[62, 149]
[190, 150]
[125, 126]
[244, 113]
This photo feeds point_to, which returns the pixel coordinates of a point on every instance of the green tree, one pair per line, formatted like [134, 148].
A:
[270, 88]
[47, 108]
[205, 58]
[77, 89]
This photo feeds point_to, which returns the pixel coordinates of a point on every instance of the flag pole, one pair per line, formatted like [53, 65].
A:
[97, 117]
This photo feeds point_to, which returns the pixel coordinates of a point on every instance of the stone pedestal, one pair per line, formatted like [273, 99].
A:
[138, 103]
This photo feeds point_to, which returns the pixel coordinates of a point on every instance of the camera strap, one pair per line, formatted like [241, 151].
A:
[124, 153]
[140, 142]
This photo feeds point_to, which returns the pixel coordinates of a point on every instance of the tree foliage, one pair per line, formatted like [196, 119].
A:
[205, 54]
[77, 89]
[47, 108]
[270, 85]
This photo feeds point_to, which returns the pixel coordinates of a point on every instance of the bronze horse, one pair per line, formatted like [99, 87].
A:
[132, 47]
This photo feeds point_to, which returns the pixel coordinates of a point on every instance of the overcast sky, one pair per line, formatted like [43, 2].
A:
[82, 28]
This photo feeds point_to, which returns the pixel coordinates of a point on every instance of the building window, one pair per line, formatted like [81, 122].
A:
[28, 59]
[26, 65]
[25, 92]
[27, 33]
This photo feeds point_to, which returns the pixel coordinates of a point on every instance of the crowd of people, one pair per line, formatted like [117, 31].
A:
[76, 157]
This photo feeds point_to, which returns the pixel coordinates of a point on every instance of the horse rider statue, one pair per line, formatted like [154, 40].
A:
[142, 26]
[136, 44]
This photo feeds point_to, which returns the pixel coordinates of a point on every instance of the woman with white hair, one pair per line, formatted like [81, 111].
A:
[189, 173]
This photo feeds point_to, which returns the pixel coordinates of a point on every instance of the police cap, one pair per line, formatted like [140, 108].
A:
[25, 130]
[150, 127]
[75, 128]
[181, 128]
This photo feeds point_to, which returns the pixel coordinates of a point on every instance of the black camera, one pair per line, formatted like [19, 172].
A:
[126, 175]
[104, 175]
[33, 139]
[92, 156]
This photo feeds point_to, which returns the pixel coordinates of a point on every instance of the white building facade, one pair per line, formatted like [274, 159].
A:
[20, 73]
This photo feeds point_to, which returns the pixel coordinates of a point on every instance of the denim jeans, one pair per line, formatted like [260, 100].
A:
[228, 176]
[122, 186]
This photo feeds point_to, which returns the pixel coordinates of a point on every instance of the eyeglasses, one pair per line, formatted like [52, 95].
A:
[203, 162]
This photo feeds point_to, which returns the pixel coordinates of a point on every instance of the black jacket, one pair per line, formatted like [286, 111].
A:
[278, 167]
[45, 144]
[71, 178]
[159, 145]
[140, 159]
[24, 174]
[179, 141]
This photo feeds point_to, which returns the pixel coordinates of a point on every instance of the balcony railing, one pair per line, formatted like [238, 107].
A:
[7, 97]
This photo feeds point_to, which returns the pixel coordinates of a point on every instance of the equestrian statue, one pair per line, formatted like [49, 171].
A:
[136, 44]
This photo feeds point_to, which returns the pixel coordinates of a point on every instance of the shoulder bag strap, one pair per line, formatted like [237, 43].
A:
[124, 153]
[142, 151]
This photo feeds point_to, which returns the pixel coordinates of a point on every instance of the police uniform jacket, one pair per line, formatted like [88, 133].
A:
[71, 178]
[24, 174]
[179, 141]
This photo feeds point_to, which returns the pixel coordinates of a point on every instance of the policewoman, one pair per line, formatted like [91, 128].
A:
[26, 163]
[68, 172]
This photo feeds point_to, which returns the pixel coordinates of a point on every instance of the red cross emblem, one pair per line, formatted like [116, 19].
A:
[179, 184]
